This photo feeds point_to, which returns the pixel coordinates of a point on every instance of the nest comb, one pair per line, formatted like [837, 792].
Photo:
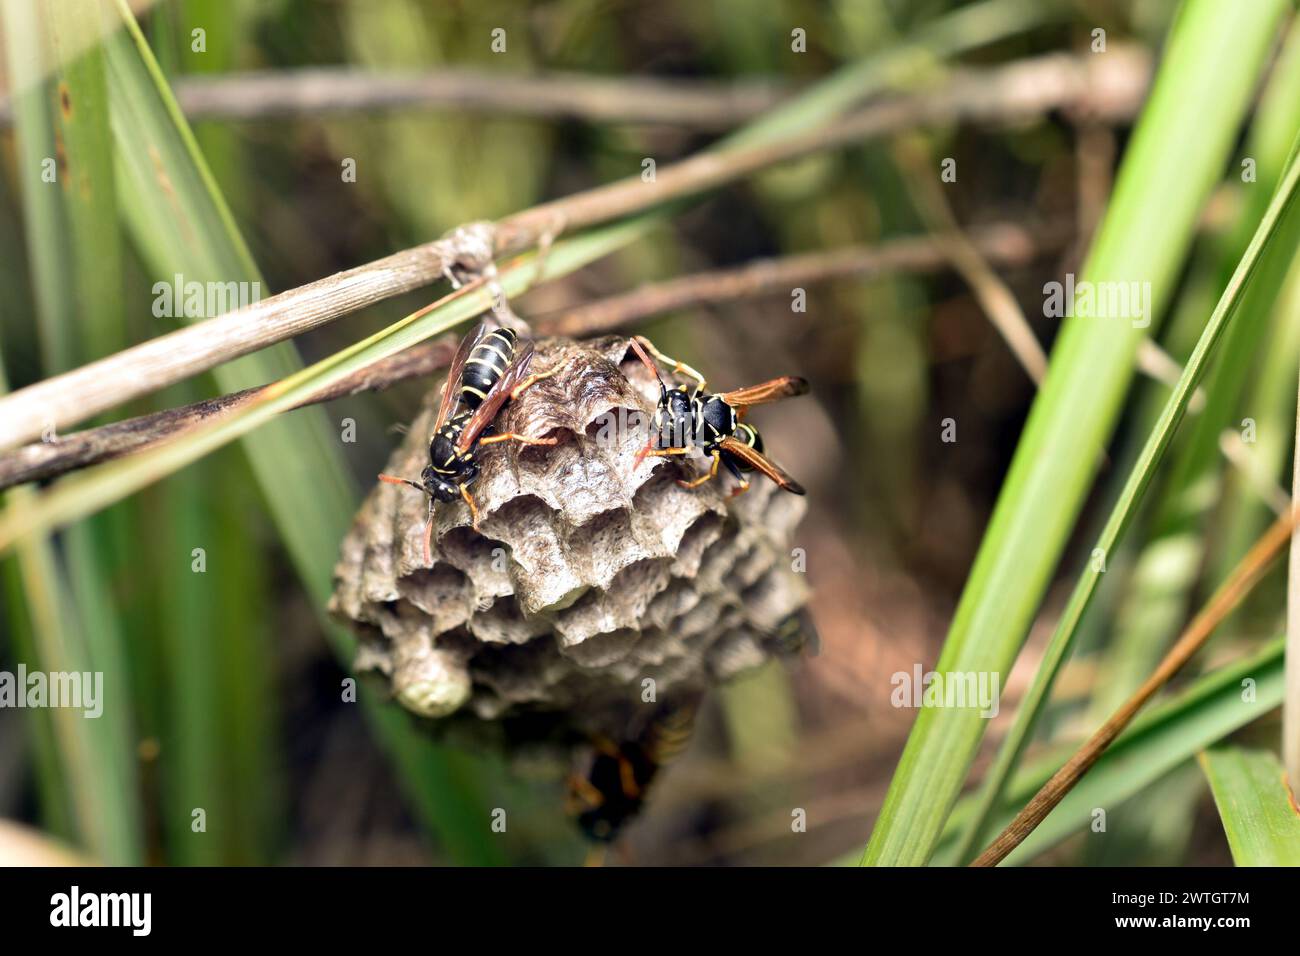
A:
[586, 576]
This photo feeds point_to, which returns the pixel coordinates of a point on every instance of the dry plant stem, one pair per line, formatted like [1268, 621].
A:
[1255, 478]
[998, 302]
[1005, 244]
[322, 91]
[1011, 94]
[1109, 86]
[1243, 578]
[42, 460]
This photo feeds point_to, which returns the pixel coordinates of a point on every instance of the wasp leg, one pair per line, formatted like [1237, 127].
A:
[530, 381]
[627, 778]
[428, 535]
[626, 773]
[707, 476]
[741, 488]
[641, 455]
[651, 450]
[583, 795]
[473, 508]
[679, 368]
[514, 436]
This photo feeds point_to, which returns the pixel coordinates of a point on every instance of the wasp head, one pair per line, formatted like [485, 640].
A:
[675, 418]
[442, 487]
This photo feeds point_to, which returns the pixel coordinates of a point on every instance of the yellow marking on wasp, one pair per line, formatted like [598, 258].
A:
[712, 473]
[492, 348]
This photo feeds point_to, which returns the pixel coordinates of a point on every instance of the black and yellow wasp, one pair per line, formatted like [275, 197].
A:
[489, 369]
[612, 788]
[688, 417]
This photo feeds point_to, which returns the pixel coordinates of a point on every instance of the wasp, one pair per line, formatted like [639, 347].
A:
[689, 416]
[612, 789]
[488, 370]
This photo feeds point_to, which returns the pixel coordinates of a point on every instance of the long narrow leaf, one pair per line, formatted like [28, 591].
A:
[1200, 95]
[1274, 240]
[71, 222]
[1168, 736]
[1257, 807]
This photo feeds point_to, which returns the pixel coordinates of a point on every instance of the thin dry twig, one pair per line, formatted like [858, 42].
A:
[42, 460]
[1106, 86]
[997, 300]
[322, 91]
[1243, 578]
[1004, 243]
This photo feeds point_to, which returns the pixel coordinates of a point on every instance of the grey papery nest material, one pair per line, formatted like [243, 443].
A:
[586, 577]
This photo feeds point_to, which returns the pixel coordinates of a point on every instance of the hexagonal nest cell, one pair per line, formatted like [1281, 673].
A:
[588, 574]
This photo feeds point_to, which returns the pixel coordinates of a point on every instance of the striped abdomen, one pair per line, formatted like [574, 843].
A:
[747, 434]
[669, 734]
[485, 366]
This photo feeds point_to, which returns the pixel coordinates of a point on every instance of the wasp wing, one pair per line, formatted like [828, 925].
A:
[451, 388]
[497, 396]
[761, 462]
[787, 386]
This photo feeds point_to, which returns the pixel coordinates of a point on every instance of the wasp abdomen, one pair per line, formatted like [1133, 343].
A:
[485, 366]
[749, 435]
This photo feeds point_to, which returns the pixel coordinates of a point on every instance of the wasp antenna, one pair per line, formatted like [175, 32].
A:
[648, 362]
[395, 480]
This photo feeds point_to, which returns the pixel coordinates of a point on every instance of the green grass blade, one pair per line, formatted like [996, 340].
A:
[73, 239]
[1164, 738]
[87, 777]
[1258, 809]
[34, 93]
[1273, 243]
[181, 225]
[1203, 88]
[1198, 493]
[1169, 735]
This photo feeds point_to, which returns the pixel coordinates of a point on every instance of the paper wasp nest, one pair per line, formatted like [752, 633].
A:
[586, 577]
